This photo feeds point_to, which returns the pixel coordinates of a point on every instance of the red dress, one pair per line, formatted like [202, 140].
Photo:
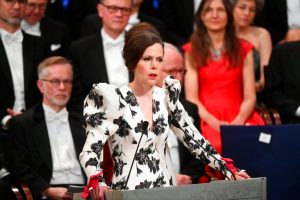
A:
[220, 90]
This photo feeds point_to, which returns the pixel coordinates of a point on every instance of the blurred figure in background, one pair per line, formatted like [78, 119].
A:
[244, 12]
[55, 33]
[220, 72]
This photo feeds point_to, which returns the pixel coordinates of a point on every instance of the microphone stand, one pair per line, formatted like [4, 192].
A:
[144, 131]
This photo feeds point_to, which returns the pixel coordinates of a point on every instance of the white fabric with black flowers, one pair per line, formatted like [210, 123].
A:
[114, 113]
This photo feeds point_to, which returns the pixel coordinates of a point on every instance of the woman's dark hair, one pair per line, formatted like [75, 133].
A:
[201, 42]
[259, 5]
[137, 40]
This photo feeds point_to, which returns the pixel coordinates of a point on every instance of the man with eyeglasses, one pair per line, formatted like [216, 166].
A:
[47, 139]
[20, 53]
[55, 33]
[98, 57]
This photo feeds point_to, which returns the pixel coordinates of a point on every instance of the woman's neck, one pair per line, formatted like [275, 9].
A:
[140, 90]
[217, 39]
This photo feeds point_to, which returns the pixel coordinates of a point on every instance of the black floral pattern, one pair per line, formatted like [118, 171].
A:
[98, 99]
[124, 127]
[95, 119]
[159, 126]
[146, 169]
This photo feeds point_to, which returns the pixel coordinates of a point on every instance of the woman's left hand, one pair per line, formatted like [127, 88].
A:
[241, 175]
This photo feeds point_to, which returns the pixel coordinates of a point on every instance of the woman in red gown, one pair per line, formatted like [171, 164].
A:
[220, 74]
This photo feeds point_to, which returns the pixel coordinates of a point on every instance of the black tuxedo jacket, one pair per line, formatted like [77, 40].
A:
[93, 23]
[274, 18]
[56, 36]
[189, 164]
[88, 61]
[30, 159]
[34, 51]
[282, 81]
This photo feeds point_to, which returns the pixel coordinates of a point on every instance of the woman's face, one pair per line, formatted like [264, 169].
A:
[244, 12]
[149, 66]
[214, 16]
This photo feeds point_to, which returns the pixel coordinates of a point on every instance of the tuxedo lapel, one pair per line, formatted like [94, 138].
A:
[40, 135]
[97, 54]
[5, 64]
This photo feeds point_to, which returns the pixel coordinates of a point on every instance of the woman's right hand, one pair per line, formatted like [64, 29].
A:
[215, 124]
[98, 192]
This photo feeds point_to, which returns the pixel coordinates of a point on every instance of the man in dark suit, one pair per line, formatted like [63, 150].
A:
[97, 58]
[92, 23]
[188, 168]
[47, 139]
[55, 33]
[282, 82]
[19, 55]
[278, 18]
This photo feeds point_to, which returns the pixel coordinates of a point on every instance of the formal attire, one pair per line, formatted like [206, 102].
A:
[53, 32]
[140, 153]
[33, 157]
[282, 81]
[220, 90]
[93, 23]
[93, 65]
[33, 51]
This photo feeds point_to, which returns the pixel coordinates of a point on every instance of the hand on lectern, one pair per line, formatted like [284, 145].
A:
[241, 175]
[98, 192]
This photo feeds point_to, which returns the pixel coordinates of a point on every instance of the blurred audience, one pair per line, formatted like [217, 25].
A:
[220, 72]
[98, 58]
[282, 82]
[93, 23]
[187, 167]
[282, 19]
[20, 53]
[53, 32]
[244, 12]
[47, 139]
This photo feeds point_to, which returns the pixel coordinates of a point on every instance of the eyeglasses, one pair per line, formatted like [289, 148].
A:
[115, 9]
[176, 72]
[57, 82]
[33, 6]
[13, 2]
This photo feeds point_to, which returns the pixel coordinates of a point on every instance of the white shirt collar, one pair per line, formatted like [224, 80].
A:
[8, 37]
[107, 40]
[31, 29]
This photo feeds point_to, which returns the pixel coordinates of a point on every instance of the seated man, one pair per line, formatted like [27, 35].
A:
[282, 82]
[47, 139]
[188, 169]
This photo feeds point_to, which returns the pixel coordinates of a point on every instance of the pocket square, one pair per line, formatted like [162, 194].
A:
[54, 47]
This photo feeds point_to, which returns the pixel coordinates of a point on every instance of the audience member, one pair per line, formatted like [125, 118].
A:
[19, 55]
[137, 118]
[282, 82]
[47, 139]
[92, 23]
[282, 19]
[53, 32]
[220, 73]
[188, 169]
[97, 58]
[244, 12]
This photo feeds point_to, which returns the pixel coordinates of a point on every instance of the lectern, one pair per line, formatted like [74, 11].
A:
[251, 189]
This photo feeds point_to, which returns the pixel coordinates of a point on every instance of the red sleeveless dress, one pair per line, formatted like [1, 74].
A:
[220, 90]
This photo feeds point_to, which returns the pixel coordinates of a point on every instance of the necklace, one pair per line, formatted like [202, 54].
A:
[216, 54]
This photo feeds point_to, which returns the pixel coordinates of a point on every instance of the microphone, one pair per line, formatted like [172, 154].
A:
[141, 128]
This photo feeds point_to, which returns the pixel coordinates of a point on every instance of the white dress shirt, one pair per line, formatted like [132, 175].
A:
[116, 70]
[66, 167]
[31, 29]
[133, 20]
[174, 151]
[13, 47]
[293, 13]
